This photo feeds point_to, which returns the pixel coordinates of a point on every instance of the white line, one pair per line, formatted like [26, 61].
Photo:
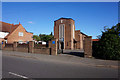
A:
[18, 75]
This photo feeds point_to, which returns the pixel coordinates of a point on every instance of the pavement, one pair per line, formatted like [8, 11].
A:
[65, 57]
[28, 65]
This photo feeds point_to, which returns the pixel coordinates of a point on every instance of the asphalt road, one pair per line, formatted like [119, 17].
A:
[20, 67]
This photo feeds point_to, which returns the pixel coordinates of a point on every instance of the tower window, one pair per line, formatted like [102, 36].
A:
[61, 21]
[70, 25]
[67, 43]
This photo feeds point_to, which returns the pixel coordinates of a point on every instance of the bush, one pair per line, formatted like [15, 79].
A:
[109, 45]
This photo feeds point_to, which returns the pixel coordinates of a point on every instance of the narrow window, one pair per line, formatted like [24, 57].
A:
[61, 21]
[67, 43]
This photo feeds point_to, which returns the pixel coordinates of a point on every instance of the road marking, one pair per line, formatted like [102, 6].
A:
[18, 75]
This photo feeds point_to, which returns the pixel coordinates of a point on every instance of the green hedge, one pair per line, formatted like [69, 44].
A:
[109, 45]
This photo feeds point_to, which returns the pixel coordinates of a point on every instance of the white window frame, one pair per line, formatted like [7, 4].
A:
[61, 21]
[61, 30]
[20, 33]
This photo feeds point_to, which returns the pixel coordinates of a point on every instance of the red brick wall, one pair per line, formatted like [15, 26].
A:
[26, 48]
[8, 47]
[88, 46]
[77, 38]
[42, 51]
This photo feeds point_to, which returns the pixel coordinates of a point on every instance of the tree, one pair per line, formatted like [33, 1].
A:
[51, 34]
[36, 37]
[46, 38]
[109, 45]
[99, 36]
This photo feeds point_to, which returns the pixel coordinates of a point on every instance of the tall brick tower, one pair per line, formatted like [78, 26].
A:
[64, 31]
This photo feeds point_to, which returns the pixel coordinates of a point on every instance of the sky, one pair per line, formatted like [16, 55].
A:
[38, 17]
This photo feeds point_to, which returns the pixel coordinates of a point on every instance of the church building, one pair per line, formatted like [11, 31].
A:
[68, 37]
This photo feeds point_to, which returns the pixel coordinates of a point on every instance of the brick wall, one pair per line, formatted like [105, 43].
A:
[28, 48]
[38, 46]
[88, 46]
[0, 46]
[8, 47]
[42, 51]
[53, 45]
[77, 38]
[22, 47]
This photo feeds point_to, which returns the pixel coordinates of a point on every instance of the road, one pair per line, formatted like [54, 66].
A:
[28, 67]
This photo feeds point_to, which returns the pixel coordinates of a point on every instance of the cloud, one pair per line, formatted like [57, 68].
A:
[30, 22]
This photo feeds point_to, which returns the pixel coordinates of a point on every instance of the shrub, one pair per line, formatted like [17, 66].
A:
[109, 45]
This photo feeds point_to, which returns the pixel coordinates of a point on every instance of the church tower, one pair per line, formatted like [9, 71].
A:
[64, 31]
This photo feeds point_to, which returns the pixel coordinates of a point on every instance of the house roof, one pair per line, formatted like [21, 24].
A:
[6, 27]
[95, 39]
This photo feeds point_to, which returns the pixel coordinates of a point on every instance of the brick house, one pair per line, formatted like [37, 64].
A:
[11, 33]
[64, 31]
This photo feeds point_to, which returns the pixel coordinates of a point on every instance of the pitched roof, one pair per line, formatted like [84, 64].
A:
[80, 32]
[6, 27]
[83, 33]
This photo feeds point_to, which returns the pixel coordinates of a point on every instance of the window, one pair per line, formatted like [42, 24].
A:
[20, 41]
[61, 21]
[61, 31]
[70, 25]
[67, 43]
[20, 33]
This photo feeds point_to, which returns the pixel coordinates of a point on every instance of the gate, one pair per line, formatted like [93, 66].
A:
[60, 50]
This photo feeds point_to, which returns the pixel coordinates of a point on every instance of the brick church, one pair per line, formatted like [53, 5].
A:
[68, 37]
